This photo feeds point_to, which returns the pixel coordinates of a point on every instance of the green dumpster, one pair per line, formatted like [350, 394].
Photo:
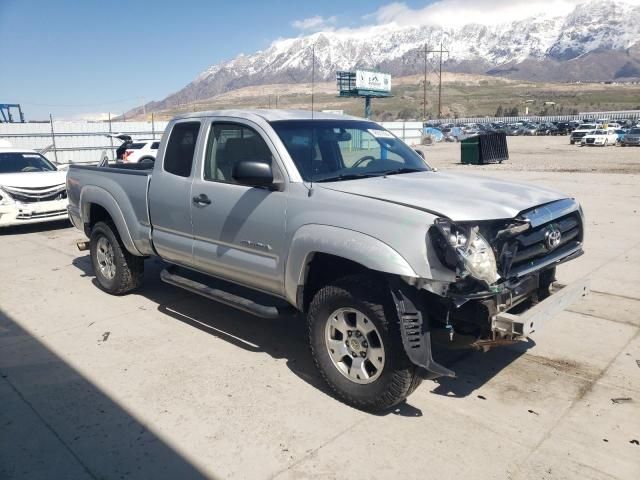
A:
[470, 150]
[484, 148]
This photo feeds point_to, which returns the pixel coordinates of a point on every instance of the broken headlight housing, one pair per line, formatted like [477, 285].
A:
[464, 250]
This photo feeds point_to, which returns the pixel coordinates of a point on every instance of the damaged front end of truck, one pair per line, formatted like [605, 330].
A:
[505, 285]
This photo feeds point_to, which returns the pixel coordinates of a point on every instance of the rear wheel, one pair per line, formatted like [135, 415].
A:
[117, 271]
[356, 345]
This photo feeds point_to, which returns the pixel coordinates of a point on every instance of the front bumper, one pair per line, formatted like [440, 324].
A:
[506, 325]
[19, 213]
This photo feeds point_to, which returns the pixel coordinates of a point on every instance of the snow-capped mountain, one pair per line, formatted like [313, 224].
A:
[598, 41]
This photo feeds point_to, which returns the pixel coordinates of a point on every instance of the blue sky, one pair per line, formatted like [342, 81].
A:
[69, 57]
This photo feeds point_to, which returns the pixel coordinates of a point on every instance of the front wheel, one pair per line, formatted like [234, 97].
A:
[356, 344]
[117, 271]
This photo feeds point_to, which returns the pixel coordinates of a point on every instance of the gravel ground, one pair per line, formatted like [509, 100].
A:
[545, 154]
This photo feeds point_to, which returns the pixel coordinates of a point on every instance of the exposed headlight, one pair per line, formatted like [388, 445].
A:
[466, 250]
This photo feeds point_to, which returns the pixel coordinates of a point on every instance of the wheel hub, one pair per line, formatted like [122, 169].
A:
[354, 345]
[105, 258]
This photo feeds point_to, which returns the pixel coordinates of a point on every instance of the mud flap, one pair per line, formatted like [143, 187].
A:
[414, 330]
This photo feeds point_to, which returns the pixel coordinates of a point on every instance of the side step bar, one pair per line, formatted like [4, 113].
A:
[170, 276]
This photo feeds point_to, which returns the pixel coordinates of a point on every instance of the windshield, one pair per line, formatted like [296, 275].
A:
[18, 162]
[586, 126]
[331, 150]
[634, 131]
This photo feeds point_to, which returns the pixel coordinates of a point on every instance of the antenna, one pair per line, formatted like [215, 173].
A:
[313, 74]
[313, 83]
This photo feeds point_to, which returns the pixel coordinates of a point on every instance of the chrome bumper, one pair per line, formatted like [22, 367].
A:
[507, 325]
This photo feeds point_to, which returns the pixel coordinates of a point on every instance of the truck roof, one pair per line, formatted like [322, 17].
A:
[270, 115]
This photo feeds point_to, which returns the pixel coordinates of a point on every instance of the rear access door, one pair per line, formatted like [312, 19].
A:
[170, 196]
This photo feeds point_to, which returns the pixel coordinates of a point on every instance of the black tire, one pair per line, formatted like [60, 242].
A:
[398, 378]
[129, 269]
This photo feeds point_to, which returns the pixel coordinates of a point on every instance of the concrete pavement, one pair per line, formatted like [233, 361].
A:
[165, 384]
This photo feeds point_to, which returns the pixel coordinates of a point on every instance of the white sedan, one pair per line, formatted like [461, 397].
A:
[32, 189]
[141, 151]
[600, 137]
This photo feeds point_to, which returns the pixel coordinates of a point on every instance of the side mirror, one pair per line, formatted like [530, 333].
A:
[253, 173]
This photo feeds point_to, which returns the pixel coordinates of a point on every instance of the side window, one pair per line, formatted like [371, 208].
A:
[229, 144]
[178, 157]
[155, 145]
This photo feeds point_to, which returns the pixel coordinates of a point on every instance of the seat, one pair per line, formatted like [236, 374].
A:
[238, 150]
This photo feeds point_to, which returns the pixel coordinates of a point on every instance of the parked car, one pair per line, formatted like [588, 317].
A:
[631, 138]
[141, 151]
[563, 128]
[32, 189]
[547, 129]
[581, 131]
[335, 219]
[600, 137]
[620, 133]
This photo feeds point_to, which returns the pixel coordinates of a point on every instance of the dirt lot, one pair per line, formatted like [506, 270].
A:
[546, 154]
[164, 384]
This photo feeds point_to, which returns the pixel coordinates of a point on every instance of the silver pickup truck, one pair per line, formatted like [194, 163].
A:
[336, 220]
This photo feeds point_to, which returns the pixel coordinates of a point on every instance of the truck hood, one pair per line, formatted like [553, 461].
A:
[460, 197]
[32, 179]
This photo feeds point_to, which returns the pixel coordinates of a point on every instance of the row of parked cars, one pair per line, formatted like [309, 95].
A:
[456, 132]
[603, 134]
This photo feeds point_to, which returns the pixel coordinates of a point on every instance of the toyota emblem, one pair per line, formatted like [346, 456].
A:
[552, 237]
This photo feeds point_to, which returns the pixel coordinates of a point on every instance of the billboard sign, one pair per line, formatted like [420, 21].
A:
[374, 81]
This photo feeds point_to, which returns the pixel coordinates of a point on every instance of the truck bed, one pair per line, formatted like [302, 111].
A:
[122, 189]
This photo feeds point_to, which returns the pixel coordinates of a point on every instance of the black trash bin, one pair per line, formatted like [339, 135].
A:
[485, 148]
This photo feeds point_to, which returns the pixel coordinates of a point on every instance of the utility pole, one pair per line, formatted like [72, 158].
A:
[313, 72]
[424, 91]
[441, 51]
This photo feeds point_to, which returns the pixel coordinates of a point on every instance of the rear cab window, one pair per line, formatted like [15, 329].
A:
[181, 148]
[136, 146]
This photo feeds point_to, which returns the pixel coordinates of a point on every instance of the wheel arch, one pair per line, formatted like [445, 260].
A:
[320, 252]
[99, 205]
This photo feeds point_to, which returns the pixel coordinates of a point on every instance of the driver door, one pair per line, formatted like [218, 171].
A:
[238, 230]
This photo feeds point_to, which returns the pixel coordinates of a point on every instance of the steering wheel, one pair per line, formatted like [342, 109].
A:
[30, 169]
[362, 160]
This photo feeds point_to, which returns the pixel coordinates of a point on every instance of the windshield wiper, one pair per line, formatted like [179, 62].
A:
[350, 176]
[402, 170]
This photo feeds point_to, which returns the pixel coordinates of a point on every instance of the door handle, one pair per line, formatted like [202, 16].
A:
[201, 199]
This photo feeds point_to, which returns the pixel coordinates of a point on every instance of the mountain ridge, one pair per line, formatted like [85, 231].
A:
[597, 41]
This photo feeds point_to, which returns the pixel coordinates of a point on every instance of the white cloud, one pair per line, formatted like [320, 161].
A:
[315, 23]
[462, 12]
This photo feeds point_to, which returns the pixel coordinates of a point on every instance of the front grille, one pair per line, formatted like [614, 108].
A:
[38, 194]
[590, 140]
[532, 244]
[578, 134]
[531, 249]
